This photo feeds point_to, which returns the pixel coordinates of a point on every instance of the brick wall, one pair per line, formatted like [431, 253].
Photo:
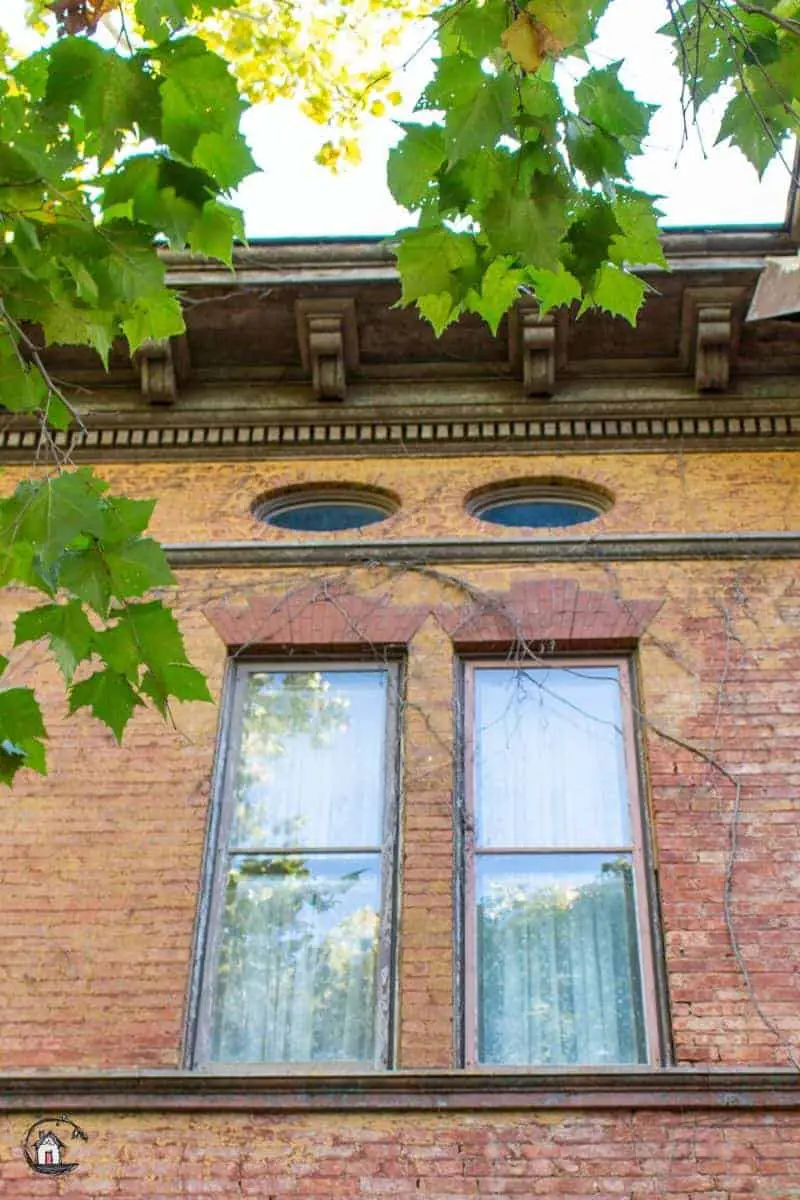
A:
[100, 863]
[639, 1156]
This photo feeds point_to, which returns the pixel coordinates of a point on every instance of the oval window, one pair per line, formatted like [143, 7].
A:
[538, 506]
[308, 510]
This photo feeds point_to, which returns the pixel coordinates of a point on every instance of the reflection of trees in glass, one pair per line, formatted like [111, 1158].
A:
[559, 979]
[297, 969]
[278, 708]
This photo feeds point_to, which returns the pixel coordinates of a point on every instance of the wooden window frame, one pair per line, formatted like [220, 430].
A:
[467, 975]
[217, 854]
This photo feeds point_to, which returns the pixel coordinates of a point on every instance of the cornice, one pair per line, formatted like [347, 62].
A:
[402, 1091]
[349, 260]
[202, 435]
[630, 547]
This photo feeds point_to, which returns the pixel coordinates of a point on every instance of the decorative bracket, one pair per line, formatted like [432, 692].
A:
[328, 337]
[164, 367]
[710, 334]
[535, 344]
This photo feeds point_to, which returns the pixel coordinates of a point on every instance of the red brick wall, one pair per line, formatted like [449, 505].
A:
[100, 863]
[638, 1156]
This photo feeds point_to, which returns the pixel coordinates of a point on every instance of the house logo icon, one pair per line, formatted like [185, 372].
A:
[46, 1145]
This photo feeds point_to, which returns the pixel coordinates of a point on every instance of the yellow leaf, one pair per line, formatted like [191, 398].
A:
[558, 29]
[523, 43]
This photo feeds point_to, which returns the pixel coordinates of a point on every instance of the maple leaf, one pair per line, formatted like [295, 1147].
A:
[523, 41]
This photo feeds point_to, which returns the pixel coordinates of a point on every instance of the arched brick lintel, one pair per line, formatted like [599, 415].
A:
[316, 615]
[323, 615]
[551, 611]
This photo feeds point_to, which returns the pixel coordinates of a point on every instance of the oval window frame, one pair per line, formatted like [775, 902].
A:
[280, 500]
[553, 490]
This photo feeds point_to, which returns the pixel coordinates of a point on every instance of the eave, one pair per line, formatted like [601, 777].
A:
[291, 319]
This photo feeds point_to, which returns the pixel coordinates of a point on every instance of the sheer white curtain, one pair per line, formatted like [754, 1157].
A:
[297, 960]
[557, 950]
[311, 765]
[559, 972]
[297, 971]
[549, 758]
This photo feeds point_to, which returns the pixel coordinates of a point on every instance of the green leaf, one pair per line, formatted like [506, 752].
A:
[52, 513]
[500, 289]
[136, 567]
[110, 697]
[16, 558]
[638, 242]
[439, 309]
[67, 628]
[160, 18]
[479, 121]
[57, 414]
[474, 29]
[434, 260]
[67, 323]
[588, 239]
[153, 317]
[125, 518]
[215, 231]
[117, 647]
[525, 227]
[757, 133]
[181, 681]
[593, 152]
[554, 288]
[604, 101]
[617, 291]
[20, 715]
[155, 631]
[21, 733]
[226, 158]
[114, 94]
[84, 574]
[414, 162]
[22, 389]
[198, 95]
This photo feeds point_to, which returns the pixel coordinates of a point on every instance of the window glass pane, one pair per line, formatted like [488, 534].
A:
[558, 964]
[326, 516]
[549, 758]
[537, 514]
[297, 967]
[311, 766]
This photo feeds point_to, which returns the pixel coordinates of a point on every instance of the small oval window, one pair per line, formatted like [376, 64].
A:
[538, 506]
[315, 511]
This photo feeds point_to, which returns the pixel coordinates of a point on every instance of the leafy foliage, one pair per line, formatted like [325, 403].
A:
[537, 187]
[105, 155]
[86, 551]
[535, 178]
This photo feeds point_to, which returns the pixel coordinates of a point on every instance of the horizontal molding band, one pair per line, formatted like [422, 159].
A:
[631, 547]
[401, 1091]
[199, 439]
[339, 260]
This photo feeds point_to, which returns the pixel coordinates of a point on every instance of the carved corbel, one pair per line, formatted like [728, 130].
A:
[536, 345]
[163, 367]
[328, 337]
[710, 332]
[712, 365]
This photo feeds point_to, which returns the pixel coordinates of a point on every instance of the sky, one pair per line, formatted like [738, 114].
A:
[700, 184]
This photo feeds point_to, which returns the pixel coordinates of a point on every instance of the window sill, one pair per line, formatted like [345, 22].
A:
[401, 1091]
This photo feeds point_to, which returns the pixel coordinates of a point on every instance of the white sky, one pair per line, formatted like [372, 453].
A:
[293, 197]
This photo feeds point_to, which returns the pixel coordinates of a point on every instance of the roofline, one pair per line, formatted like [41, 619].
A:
[370, 259]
